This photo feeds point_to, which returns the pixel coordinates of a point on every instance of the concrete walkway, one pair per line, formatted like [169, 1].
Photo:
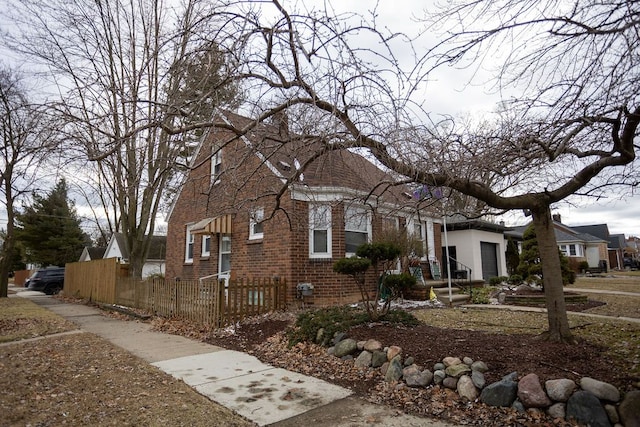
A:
[261, 393]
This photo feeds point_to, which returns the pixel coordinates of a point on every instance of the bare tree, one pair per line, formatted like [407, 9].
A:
[25, 141]
[572, 68]
[130, 75]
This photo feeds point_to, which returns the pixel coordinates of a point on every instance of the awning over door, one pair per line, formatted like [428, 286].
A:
[218, 225]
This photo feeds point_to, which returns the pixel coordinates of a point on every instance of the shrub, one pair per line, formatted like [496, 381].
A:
[583, 265]
[515, 280]
[321, 325]
[481, 295]
[397, 283]
[495, 281]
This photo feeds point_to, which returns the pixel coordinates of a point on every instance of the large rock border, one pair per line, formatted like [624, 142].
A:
[591, 402]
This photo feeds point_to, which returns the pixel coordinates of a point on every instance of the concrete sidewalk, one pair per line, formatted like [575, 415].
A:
[261, 393]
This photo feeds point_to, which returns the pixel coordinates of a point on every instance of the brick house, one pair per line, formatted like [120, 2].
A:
[248, 210]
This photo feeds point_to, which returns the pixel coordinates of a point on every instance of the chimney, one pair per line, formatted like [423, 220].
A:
[557, 218]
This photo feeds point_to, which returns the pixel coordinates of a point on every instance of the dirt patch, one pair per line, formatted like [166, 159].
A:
[503, 352]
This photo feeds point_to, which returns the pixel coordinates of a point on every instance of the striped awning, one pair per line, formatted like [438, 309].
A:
[218, 225]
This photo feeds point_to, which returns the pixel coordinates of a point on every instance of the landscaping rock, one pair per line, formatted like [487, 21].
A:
[339, 336]
[393, 351]
[501, 393]
[612, 413]
[439, 367]
[560, 390]
[345, 347]
[531, 394]
[518, 406]
[408, 370]
[451, 361]
[384, 368]
[600, 389]
[394, 372]
[478, 379]
[409, 361]
[319, 336]
[450, 382]
[584, 407]
[629, 409]
[557, 410]
[439, 376]
[419, 379]
[466, 388]
[372, 345]
[361, 345]
[467, 361]
[458, 370]
[378, 359]
[479, 366]
[364, 359]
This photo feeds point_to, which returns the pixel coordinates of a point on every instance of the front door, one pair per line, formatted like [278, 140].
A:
[224, 263]
[489, 258]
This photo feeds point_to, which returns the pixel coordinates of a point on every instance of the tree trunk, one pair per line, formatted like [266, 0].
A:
[552, 277]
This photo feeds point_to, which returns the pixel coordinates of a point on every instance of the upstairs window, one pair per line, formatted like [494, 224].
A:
[206, 245]
[319, 231]
[256, 225]
[188, 250]
[357, 229]
[216, 164]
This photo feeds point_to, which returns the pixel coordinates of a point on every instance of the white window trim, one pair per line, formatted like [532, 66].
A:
[255, 217]
[359, 210]
[312, 228]
[216, 159]
[203, 252]
[189, 241]
[423, 235]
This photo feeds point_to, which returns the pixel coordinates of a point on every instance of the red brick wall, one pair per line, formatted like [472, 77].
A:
[284, 250]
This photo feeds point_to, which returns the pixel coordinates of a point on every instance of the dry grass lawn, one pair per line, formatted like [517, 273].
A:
[81, 379]
[21, 318]
[618, 282]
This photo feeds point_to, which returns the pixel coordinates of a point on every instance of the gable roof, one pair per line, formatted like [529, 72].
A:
[563, 232]
[157, 247]
[597, 230]
[305, 163]
[91, 253]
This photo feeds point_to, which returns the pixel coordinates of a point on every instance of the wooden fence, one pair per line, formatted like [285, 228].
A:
[94, 280]
[210, 303]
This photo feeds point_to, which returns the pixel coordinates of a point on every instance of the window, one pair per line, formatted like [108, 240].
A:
[256, 226]
[417, 231]
[216, 164]
[206, 245]
[319, 231]
[571, 250]
[190, 239]
[357, 229]
[225, 253]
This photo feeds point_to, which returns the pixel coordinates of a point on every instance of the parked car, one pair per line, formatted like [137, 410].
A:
[48, 280]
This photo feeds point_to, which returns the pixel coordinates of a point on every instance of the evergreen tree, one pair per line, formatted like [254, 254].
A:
[512, 256]
[530, 267]
[50, 229]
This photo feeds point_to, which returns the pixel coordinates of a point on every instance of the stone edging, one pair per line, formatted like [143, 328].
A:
[592, 402]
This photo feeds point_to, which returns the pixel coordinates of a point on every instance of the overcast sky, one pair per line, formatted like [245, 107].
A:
[449, 93]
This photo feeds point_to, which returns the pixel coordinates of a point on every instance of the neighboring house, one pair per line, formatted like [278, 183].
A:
[246, 210]
[155, 263]
[577, 244]
[616, 251]
[476, 246]
[89, 254]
